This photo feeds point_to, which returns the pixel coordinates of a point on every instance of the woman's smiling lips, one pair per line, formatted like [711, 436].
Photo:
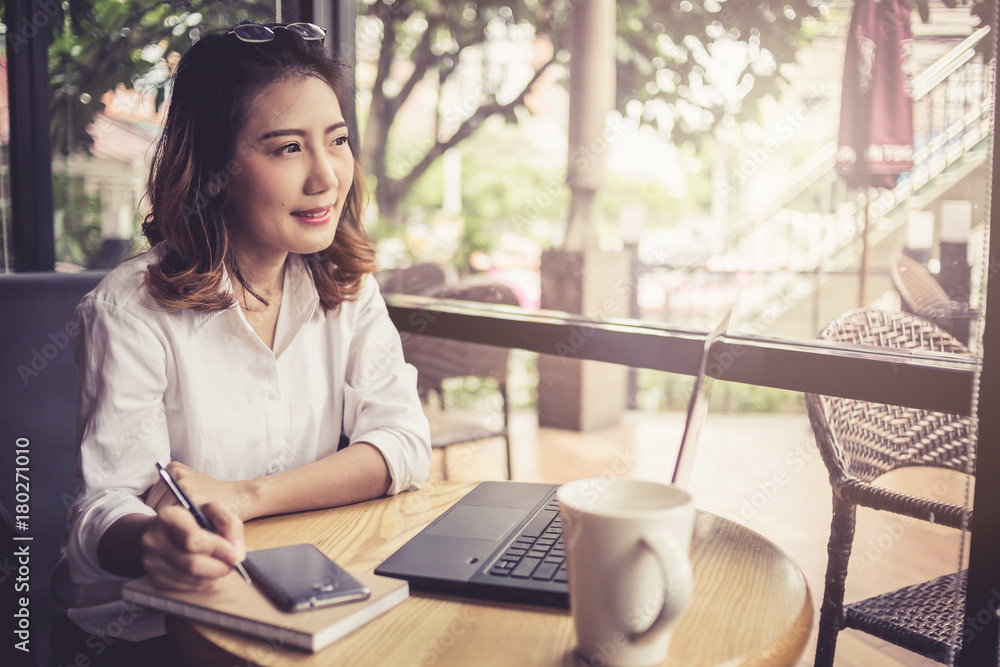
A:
[314, 216]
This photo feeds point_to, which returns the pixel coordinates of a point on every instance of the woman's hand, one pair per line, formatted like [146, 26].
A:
[180, 555]
[202, 489]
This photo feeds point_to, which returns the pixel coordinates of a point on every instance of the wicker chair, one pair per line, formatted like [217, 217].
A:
[921, 294]
[438, 359]
[859, 441]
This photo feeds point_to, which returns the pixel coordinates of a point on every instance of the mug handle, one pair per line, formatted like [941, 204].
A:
[678, 587]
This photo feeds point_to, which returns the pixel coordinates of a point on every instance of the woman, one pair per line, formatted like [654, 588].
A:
[244, 343]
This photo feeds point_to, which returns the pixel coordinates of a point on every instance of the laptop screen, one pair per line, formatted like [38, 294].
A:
[697, 406]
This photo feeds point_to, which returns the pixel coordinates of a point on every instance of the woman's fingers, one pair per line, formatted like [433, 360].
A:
[232, 549]
[178, 554]
[178, 470]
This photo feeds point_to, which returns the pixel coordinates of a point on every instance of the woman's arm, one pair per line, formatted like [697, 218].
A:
[121, 424]
[120, 547]
[351, 475]
[381, 405]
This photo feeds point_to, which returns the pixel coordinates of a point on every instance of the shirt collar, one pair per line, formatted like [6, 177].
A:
[299, 293]
[301, 290]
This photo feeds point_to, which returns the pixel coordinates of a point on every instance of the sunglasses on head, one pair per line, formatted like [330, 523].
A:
[257, 33]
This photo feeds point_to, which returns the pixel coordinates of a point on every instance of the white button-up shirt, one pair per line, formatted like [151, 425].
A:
[201, 388]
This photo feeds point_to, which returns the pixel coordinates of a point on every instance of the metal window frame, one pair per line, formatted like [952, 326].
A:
[981, 638]
[32, 224]
[339, 19]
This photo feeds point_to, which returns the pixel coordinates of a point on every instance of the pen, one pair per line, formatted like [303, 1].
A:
[199, 516]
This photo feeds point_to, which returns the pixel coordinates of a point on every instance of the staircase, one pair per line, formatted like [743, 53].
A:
[794, 256]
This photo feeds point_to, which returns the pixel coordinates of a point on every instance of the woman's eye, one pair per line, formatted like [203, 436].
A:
[340, 141]
[290, 148]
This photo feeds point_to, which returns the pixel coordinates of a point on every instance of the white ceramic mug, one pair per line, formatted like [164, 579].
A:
[627, 547]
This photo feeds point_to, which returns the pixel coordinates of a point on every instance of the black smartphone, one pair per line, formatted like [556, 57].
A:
[300, 576]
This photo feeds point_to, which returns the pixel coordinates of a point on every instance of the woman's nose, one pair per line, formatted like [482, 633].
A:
[322, 175]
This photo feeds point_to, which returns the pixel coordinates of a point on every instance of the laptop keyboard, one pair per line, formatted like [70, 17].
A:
[538, 553]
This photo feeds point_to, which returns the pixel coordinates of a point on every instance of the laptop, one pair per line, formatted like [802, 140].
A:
[503, 540]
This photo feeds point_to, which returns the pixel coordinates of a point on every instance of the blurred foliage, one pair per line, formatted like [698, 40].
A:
[663, 55]
[664, 58]
[661, 207]
[97, 44]
[657, 391]
[526, 199]
[733, 397]
[80, 213]
[530, 197]
[506, 187]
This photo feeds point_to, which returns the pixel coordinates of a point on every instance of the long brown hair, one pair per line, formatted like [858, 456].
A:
[213, 86]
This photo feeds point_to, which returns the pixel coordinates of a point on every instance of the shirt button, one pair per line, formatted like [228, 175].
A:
[272, 396]
[274, 467]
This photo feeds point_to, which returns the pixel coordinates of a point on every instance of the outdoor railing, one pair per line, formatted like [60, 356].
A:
[913, 378]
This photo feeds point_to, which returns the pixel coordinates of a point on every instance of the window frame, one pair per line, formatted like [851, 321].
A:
[32, 224]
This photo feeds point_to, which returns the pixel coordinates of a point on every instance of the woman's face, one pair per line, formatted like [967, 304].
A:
[292, 172]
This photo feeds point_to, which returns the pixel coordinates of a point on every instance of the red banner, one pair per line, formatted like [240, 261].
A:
[876, 108]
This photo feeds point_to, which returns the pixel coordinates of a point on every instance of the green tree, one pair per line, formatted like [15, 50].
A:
[664, 54]
[664, 62]
[79, 216]
[97, 44]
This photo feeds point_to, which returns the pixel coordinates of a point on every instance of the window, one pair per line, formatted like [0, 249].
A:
[709, 194]
[105, 122]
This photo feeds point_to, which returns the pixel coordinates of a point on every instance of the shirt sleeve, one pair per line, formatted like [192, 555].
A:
[381, 406]
[121, 427]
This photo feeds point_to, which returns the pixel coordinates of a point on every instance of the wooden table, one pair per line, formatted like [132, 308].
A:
[751, 604]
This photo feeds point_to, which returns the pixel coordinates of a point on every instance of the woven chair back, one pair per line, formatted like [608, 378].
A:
[863, 440]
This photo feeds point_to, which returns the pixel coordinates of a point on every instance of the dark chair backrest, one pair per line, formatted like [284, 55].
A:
[38, 416]
[437, 359]
[918, 290]
[863, 440]
[921, 294]
[420, 278]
